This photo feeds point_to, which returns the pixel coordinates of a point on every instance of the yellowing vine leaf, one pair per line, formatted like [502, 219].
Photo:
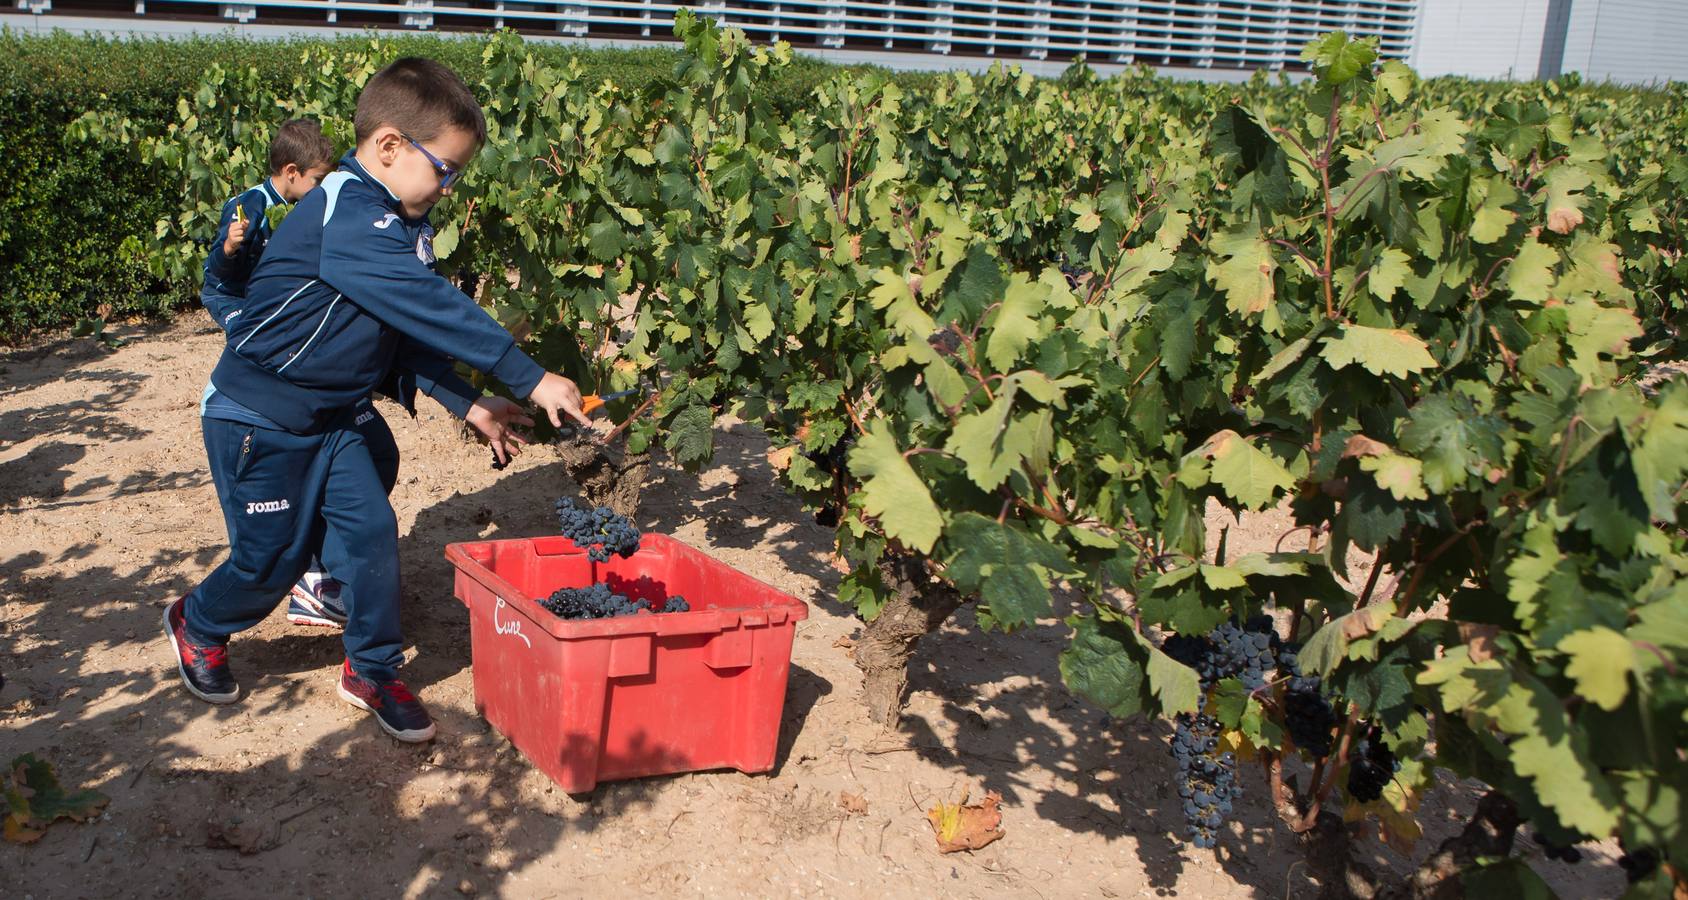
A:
[1380, 351]
[1245, 274]
[1400, 475]
[1564, 212]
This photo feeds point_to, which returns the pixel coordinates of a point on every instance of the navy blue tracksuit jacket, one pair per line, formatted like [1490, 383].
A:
[226, 275]
[345, 301]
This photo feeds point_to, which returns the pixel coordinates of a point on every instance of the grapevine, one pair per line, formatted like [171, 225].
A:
[1004, 345]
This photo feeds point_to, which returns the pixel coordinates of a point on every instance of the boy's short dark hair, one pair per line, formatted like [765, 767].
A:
[300, 143]
[421, 98]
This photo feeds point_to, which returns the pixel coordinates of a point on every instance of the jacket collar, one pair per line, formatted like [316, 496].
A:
[273, 194]
[350, 163]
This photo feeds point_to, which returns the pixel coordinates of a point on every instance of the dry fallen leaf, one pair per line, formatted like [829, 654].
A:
[852, 804]
[780, 458]
[962, 827]
[31, 799]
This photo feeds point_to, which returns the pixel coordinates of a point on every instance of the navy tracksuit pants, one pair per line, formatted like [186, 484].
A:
[286, 496]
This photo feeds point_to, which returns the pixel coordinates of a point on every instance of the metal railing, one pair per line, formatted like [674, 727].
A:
[1196, 33]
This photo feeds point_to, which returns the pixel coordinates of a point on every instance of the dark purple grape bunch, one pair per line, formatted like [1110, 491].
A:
[597, 601]
[600, 531]
[946, 341]
[1371, 766]
[1207, 779]
[1565, 853]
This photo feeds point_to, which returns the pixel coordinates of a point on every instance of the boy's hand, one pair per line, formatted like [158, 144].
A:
[492, 418]
[237, 236]
[556, 393]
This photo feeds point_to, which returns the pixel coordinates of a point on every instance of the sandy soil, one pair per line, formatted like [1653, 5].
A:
[106, 511]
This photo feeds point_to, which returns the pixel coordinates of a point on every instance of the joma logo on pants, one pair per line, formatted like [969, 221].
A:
[268, 506]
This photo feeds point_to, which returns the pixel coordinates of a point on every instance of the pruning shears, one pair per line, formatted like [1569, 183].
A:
[240, 214]
[591, 402]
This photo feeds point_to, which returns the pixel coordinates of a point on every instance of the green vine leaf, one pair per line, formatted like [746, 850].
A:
[893, 492]
[1601, 662]
[1247, 474]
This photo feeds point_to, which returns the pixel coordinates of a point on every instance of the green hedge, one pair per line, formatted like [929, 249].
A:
[68, 207]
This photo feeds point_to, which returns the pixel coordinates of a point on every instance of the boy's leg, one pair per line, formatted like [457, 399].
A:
[318, 599]
[269, 484]
[362, 545]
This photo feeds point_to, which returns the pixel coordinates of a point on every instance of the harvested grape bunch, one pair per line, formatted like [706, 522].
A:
[600, 531]
[597, 601]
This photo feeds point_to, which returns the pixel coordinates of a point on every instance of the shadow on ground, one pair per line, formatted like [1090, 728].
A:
[352, 801]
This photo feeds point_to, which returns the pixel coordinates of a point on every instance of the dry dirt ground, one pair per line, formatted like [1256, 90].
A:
[106, 511]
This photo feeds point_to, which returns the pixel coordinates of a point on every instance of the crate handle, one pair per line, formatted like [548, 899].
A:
[630, 656]
[730, 649]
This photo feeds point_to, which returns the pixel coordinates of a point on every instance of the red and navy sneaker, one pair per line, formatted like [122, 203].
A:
[395, 707]
[315, 600]
[204, 667]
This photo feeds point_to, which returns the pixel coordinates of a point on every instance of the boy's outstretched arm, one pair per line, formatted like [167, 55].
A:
[436, 376]
[372, 261]
[492, 418]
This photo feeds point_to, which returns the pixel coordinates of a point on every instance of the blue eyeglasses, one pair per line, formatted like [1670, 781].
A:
[447, 174]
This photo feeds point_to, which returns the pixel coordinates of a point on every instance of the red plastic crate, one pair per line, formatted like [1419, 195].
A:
[650, 694]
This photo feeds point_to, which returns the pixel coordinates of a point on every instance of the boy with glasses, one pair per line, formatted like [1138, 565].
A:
[344, 302]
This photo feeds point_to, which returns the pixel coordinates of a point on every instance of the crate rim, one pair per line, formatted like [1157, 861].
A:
[702, 621]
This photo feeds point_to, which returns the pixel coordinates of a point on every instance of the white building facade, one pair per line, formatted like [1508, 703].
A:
[1620, 40]
[1629, 41]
